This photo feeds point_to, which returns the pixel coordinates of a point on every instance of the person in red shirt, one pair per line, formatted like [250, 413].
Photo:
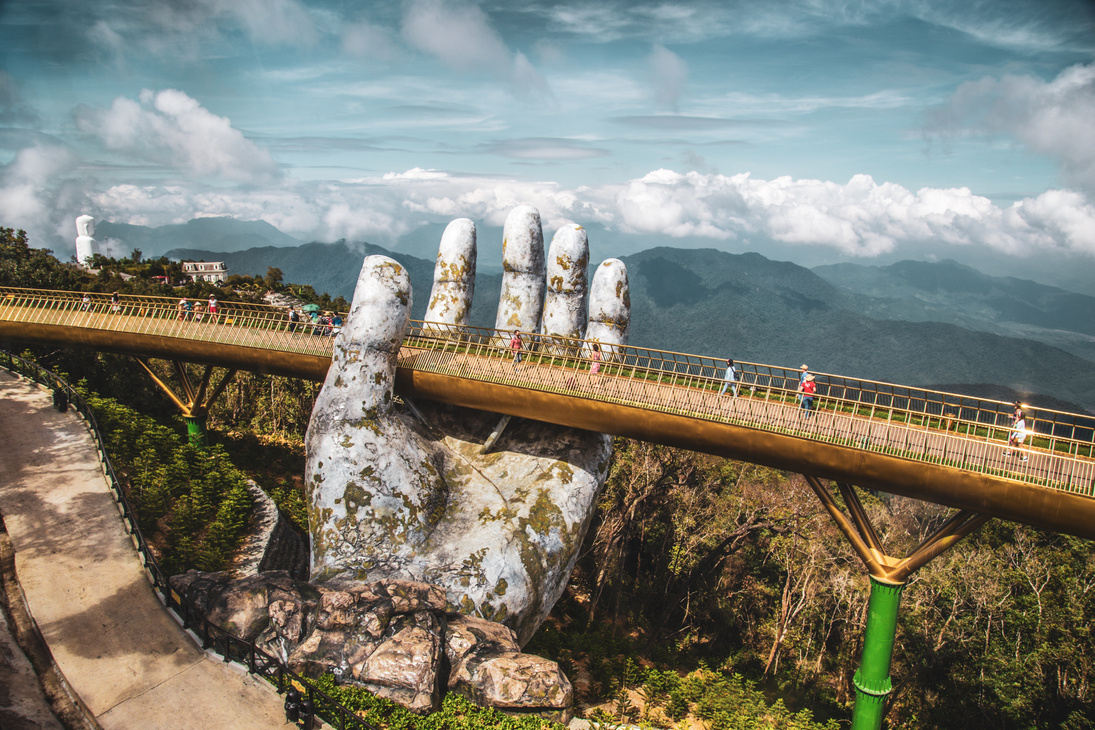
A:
[808, 387]
[515, 345]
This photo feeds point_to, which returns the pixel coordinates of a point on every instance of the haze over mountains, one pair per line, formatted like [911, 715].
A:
[941, 324]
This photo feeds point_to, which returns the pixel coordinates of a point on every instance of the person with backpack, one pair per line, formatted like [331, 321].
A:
[731, 378]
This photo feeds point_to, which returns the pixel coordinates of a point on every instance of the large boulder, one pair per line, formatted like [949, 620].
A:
[398, 639]
[384, 636]
[488, 667]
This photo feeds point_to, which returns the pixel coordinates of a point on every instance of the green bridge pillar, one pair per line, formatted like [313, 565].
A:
[872, 680]
[195, 429]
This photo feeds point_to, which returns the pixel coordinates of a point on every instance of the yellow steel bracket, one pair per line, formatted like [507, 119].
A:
[863, 538]
[195, 399]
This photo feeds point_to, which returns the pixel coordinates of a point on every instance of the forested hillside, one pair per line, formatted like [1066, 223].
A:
[753, 309]
[919, 291]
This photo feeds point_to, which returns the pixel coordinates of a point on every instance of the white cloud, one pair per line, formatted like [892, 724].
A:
[44, 187]
[668, 76]
[272, 22]
[461, 36]
[170, 128]
[1051, 118]
[124, 32]
[1063, 217]
[31, 186]
[861, 218]
[369, 42]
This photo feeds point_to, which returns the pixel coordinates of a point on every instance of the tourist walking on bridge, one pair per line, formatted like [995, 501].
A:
[1019, 431]
[515, 345]
[807, 387]
[731, 378]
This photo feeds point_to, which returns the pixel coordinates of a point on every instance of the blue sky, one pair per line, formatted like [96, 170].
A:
[815, 129]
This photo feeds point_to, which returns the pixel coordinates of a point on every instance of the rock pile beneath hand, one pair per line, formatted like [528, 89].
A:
[395, 638]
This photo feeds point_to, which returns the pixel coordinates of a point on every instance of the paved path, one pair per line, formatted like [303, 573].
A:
[126, 657]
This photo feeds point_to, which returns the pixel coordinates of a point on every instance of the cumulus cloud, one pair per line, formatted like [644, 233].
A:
[170, 128]
[1051, 118]
[31, 187]
[668, 76]
[860, 218]
[377, 209]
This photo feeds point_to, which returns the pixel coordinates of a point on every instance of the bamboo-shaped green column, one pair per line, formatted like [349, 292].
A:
[195, 430]
[872, 680]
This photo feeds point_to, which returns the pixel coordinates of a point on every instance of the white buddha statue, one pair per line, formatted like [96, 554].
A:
[86, 246]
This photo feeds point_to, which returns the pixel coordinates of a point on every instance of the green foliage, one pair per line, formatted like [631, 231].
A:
[456, 713]
[21, 265]
[693, 559]
[191, 503]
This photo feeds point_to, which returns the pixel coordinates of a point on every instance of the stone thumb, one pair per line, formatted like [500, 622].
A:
[362, 372]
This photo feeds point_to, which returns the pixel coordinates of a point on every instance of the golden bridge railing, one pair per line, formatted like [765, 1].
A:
[235, 323]
[947, 428]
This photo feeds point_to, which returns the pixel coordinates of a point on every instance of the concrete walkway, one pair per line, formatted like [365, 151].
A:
[126, 657]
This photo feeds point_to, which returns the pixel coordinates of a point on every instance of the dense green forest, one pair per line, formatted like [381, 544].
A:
[709, 593]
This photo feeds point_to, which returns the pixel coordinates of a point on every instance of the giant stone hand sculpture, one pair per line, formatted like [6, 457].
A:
[414, 495]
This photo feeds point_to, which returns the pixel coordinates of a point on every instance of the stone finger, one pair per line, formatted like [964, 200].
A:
[567, 284]
[609, 306]
[522, 298]
[454, 275]
[362, 374]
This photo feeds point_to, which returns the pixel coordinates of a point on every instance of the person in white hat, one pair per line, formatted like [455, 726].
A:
[807, 388]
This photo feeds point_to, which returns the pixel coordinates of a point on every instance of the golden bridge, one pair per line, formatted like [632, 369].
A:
[939, 447]
[944, 448]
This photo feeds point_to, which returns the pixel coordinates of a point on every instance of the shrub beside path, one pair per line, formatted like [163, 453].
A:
[128, 660]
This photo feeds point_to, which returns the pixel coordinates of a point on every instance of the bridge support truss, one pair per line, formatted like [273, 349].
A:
[195, 398]
[888, 577]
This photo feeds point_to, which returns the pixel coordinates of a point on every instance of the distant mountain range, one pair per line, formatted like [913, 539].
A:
[932, 324]
[209, 234]
[947, 291]
[750, 308]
